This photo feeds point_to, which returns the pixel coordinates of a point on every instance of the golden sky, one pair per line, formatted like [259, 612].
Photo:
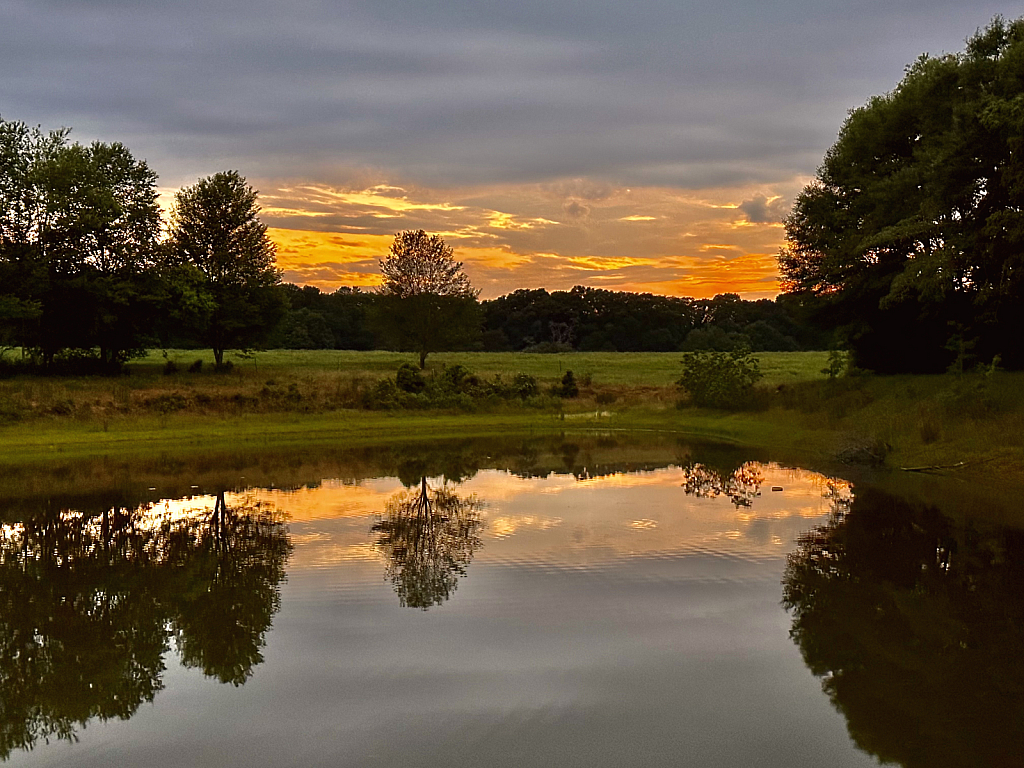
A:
[552, 235]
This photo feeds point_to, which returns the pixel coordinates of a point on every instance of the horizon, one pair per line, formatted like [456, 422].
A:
[652, 149]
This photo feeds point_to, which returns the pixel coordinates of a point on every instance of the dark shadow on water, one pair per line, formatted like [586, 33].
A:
[915, 624]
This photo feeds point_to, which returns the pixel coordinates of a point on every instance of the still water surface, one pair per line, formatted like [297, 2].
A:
[544, 602]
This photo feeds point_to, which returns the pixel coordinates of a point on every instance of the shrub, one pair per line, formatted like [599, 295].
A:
[196, 367]
[409, 379]
[719, 379]
[524, 385]
[838, 362]
[568, 386]
[382, 396]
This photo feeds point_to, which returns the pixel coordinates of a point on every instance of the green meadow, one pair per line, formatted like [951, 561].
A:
[642, 369]
[971, 426]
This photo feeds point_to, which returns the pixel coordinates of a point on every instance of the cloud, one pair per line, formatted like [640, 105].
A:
[602, 131]
[761, 209]
[653, 93]
[574, 209]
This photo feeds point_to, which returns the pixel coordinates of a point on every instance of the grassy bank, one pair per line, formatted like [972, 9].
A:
[326, 382]
[280, 398]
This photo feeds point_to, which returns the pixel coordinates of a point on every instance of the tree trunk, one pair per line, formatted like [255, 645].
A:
[218, 357]
[423, 360]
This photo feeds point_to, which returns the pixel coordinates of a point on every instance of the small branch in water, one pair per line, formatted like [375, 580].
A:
[933, 467]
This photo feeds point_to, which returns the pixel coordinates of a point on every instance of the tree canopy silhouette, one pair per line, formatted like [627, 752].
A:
[912, 234]
[79, 228]
[226, 263]
[425, 302]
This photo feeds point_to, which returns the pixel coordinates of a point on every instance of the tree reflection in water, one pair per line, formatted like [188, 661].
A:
[741, 484]
[916, 627]
[89, 601]
[427, 537]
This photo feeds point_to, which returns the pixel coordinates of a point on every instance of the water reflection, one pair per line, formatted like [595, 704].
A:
[625, 602]
[740, 485]
[90, 600]
[428, 536]
[915, 623]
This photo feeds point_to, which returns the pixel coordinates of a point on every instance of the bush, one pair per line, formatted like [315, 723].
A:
[409, 379]
[524, 385]
[568, 386]
[720, 379]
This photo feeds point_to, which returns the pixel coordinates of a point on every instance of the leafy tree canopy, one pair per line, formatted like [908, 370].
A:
[418, 263]
[78, 233]
[426, 302]
[216, 231]
[913, 230]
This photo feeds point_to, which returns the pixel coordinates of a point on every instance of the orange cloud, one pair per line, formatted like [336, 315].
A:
[518, 236]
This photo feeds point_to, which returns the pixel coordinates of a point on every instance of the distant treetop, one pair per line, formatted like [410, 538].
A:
[419, 263]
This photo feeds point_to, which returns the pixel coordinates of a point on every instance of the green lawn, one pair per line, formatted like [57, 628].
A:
[659, 369]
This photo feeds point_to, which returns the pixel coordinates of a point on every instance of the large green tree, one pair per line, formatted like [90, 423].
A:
[79, 227]
[425, 303]
[912, 234]
[223, 257]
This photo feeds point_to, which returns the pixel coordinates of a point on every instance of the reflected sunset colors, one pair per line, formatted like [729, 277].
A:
[617, 601]
[565, 521]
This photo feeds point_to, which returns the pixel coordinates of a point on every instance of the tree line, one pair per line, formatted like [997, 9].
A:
[580, 319]
[90, 278]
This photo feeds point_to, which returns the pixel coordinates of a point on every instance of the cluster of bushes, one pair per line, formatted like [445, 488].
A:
[454, 386]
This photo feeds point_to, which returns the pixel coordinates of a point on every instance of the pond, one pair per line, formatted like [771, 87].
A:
[570, 601]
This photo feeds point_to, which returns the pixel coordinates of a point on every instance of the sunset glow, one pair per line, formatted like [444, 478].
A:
[683, 244]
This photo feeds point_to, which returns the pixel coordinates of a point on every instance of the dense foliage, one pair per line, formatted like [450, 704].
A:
[79, 233]
[582, 319]
[86, 282]
[221, 247]
[911, 236]
[719, 379]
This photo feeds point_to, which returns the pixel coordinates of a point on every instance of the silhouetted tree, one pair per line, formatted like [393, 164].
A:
[216, 233]
[913, 230]
[425, 303]
[78, 242]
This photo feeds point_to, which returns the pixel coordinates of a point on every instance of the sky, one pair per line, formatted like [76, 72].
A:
[649, 146]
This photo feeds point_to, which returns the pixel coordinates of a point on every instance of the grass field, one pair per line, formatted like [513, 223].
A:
[658, 369]
[327, 381]
[284, 397]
